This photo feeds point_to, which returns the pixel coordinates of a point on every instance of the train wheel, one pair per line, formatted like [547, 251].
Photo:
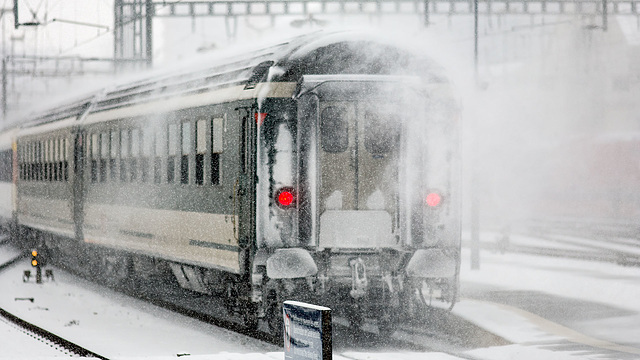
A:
[273, 314]
[414, 307]
[250, 317]
[116, 271]
[355, 316]
[388, 321]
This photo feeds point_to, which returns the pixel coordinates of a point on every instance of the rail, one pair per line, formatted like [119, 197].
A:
[72, 348]
[606, 240]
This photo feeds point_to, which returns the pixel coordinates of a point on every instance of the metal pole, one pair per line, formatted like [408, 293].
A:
[475, 38]
[475, 226]
[16, 21]
[117, 34]
[149, 32]
[426, 13]
[4, 88]
[604, 15]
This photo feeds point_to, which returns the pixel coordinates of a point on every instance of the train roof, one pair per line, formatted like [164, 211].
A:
[285, 61]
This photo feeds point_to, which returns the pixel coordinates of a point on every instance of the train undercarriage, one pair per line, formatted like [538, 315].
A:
[359, 286]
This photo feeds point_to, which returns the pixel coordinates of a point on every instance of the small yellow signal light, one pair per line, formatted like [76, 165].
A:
[35, 260]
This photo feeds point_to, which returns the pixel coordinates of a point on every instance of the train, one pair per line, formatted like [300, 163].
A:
[323, 168]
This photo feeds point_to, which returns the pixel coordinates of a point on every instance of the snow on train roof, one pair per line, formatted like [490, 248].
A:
[312, 53]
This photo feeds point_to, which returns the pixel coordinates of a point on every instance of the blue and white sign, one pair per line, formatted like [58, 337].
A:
[307, 331]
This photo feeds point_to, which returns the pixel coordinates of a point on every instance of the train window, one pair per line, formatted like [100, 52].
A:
[217, 130]
[381, 132]
[173, 151]
[160, 150]
[23, 167]
[185, 132]
[201, 149]
[147, 146]
[58, 160]
[21, 161]
[61, 159]
[217, 135]
[94, 157]
[65, 158]
[50, 157]
[25, 160]
[29, 161]
[124, 154]
[32, 161]
[36, 169]
[36, 176]
[30, 170]
[135, 153]
[45, 174]
[334, 130]
[113, 156]
[36, 161]
[54, 160]
[53, 172]
[104, 153]
[40, 161]
[45, 160]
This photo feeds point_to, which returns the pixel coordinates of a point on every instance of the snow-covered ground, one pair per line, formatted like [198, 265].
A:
[548, 308]
[7, 253]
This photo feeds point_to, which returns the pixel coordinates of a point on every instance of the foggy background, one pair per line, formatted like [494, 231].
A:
[551, 117]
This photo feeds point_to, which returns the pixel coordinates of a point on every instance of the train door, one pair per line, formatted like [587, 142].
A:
[358, 192]
[245, 186]
[78, 183]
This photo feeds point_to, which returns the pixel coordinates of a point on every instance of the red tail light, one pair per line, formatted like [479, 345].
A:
[286, 197]
[259, 117]
[433, 199]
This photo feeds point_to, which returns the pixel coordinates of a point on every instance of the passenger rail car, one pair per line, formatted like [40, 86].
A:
[325, 168]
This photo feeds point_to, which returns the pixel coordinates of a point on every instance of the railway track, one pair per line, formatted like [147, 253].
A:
[32, 330]
[612, 241]
[410, 337]
[443, 333]
[593, 228]
[602, 254]
[39, 334]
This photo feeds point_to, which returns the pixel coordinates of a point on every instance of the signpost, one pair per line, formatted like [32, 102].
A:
[307, 331]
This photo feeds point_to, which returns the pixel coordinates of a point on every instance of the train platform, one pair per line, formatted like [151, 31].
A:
[580, 308]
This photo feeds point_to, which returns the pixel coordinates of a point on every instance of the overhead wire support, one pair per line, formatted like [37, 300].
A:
[204, 8]
[132, 17]
[78, 23]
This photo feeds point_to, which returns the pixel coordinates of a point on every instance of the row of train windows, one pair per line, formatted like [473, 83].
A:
[129, 155]
[45, 160]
